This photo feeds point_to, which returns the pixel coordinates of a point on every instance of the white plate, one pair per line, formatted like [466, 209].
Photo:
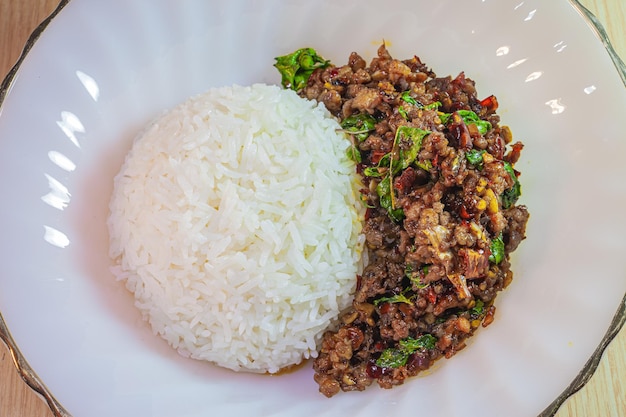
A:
[101, 70]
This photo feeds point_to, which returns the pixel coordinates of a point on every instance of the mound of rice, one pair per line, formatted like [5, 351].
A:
[235, 222]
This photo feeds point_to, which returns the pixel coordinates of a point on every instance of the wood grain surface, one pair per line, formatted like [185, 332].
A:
[603, 396]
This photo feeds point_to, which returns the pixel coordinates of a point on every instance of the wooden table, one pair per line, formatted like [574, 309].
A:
[603, 396]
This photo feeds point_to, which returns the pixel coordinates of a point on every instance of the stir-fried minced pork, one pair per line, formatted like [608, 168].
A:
[442, 218]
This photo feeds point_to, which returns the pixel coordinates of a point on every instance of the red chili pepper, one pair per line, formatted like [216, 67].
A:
[356, 337]
[514, 154]
[461, 134]
[459, 80]
[431, 295]
[377, 155]
[405, 309]
[489, 316]
[374, 371]
[384, 309]
[491, 103]
[463, 213]
[405, 180]
[497, 150]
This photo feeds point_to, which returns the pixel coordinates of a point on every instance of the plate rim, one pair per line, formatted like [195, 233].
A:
[619, 319]
[25, 371]
[35, 383]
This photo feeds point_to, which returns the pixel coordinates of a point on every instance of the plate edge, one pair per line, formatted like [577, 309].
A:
[8, 80]
[601, 33]
[24, 370]
[592, 364]
[28, 374]
[619, 319]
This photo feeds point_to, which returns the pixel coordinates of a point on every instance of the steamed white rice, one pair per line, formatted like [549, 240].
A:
[235, 221]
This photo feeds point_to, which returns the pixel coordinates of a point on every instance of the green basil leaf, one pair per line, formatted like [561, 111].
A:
[373, 172]
[497, 250]
[403, 113]
[477, 310]
[384, 190]
[445, 117]
[360, 125]
[416, 276]
[393, 358]
[475, 157]
[380, 169]
[406, 157]
[394, 299]
[353, 154]
[427, 165]
[415, 136]
[397, 357]
[468, 117]
[406, 97]
[424, 342]
[509, 168]
[296, 68]
[416, 279]
[510, 196]
[432, 106]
